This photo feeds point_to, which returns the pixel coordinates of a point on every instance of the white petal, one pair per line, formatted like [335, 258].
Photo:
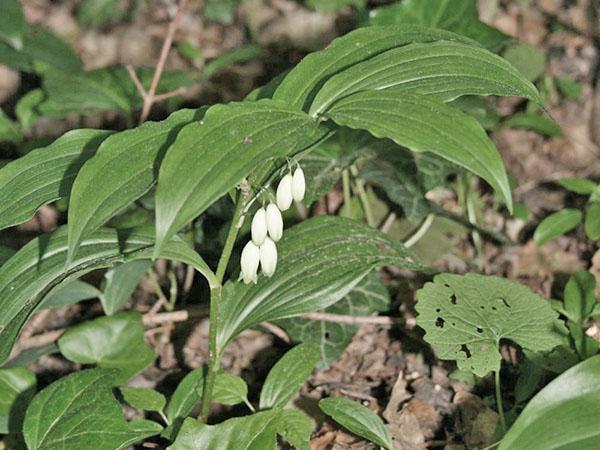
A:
[249, 262]
[284, 193]
[268, 257]
[274, 222]
[259, 227]
[298, 185]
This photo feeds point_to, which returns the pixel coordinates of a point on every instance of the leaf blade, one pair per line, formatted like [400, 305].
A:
[556, 224]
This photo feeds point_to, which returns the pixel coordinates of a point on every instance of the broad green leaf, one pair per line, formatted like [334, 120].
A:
[221, 11]
[580, 186]
[186, 395]
[12, 23]
[529, 60]
[143, 398]
[425, 125]
[580, 296]
[236, 56]
[5, 254]
[288, 375]
[367, 297]
[556, 224]
[31, 355]
[301, 85]
[123, 169]
[530, 121]
[592, 221]
[210, 157]
[458, 16]
[68, 294]
[79, 411]
[358, 419]
[9, 130]
[17, 387]
[230, 389]
[39, 266]
[331, 6]
[443, 70]
[120, 282]
[93, 13]
[296, 428]
[110, 342]
[44, 175]
[320, 261]
[569, 88]
[563, 415]
[465, 317]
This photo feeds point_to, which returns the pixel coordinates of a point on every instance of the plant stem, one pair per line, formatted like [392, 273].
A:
[364, 199]
[230, 240]
[347, 208]
[421, 231]
[499, 399]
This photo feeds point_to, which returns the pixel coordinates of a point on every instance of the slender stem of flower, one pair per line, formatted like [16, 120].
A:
[421, 231]
[364, 199]
[231, 237]
[347, 208]
[499, 399]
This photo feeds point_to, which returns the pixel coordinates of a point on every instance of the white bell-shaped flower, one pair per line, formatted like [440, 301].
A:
[298, 185]
[249, 262]
[259, 227]
[284, 193]
[268, 257]
[274, 222]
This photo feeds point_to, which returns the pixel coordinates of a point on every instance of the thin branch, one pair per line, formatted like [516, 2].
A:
[276, 331]
[346, 319]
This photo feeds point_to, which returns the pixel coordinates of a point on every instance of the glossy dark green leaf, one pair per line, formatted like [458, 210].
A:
[557, 224]
[301, 85]
[44, 175]
[534, 122]
[12, 23]
[425, 125]
[39, 266]
[288, 375]
[563, 415]
[320, 261]
[186, 395]
[68, 294]
[592, 221]
[465, 317]
[444, 70]
[110, 342]
[359, 419]
[120, 282]
[143, 398]
[124, 168]
[210, 157]
[17, 387]
[580, 186]
[79, 411]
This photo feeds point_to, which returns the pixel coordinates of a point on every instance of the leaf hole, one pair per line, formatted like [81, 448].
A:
[479, 330]
[439, 322]
[465, 350]
[503, 300]
[453, 299]
[437, 310]
[327, 335]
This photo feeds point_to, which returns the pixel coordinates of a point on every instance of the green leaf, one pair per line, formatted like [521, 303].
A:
[580, 296]
[321, 260]
[39, 266]
[569, 88]
[210, 157]
[529, 60]
[120, 282]
[459, 16]
[112, 342]
[143, 398]
[359, 419]
[443, 70]
[230, 389]
[9, 130]
[186, 395]
[580, 186]
[331, 6]
[367, 297]
[301, 85]
[93, 13]
[17, 387]
[563, 415]
[12, 23]
[423, 125]
[229, 58]
[79, 411]
[535, 122]
[296, 428]
[288, 375]
[123, 169]
[556, 224]
[44, 175]
[68, 294]
[465, 317]
[221, 11]
[592, 221]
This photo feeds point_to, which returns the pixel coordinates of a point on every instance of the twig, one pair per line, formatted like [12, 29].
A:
[389, 221]
[346, 319]
[276, 331]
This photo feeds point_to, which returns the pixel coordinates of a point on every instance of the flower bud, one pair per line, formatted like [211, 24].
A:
[259, 227]
[249, 262]
[298, 185]
[268, 257]
[274, 222]
[284, 193]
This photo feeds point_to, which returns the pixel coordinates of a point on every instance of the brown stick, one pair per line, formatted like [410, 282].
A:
[356, 320]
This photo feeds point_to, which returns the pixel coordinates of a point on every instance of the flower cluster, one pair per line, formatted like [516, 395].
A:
[267, 228]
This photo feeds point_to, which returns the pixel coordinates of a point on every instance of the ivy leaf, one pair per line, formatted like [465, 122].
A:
[44, 175]
[288, 375]
[120, 282]
[359, 419]
[303, 82]
[465, 317]
[367, 297]
[230, 389]
[17, 387]
[124, 168]
[556, 224]
[321, 260]
[39, 266]
[143, 398]
[12, 23]
[79, 411]
[68, 294]
[443, 70]
[110, 342]
[422, 125]
[210, 157]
